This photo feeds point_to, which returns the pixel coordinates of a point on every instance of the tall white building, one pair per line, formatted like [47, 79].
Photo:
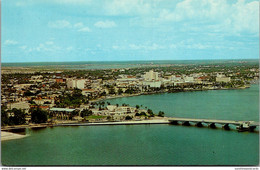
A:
[222, 78]
[152, 83]
[151, 76]
[188, 79]
[76, 83]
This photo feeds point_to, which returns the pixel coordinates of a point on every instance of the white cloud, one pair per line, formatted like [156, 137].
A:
[59, 2]
[245, 17]
[10, 42]
[78, 25]
[49, 42]
[24, 47]
[190, 43]
[129, 7]
[73, 2]
[84, 29]
[70, 48]
[197, 45]
[153, 46]
[115, 47]
[59, 24]
[225, 16]
[145, 46]
[231, 17]
[47, 48]
[105, 24]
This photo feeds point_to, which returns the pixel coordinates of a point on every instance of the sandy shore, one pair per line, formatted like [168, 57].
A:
[9, 136]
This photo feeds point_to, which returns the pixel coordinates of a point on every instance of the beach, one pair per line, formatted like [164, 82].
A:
[9, 136]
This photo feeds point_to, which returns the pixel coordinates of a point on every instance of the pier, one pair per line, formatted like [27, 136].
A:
[211, 123]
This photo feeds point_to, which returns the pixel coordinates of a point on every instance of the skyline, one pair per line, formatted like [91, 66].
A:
[129, 30]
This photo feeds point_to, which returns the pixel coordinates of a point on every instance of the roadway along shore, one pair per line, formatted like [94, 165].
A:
[129, 122]
[156, 120]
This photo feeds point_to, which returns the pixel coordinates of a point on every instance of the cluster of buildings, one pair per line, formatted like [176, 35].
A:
[43, 89]
[149, 79]
[110, 112]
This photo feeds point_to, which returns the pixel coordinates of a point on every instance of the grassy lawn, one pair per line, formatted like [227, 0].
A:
[95, 117]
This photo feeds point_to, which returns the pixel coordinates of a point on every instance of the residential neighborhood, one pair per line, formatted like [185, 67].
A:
[65, 95]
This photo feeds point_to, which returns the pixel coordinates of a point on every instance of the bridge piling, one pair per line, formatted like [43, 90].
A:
[226, 126]
[212, 125]
[174, 122]
[199, 124]
[186, 123]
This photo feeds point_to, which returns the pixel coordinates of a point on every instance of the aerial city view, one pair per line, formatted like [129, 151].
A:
[130, 82]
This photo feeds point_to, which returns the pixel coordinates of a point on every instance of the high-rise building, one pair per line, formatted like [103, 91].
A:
[76, 83]
[151, 76]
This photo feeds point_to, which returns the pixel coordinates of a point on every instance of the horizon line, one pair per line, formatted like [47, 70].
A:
[130, 60]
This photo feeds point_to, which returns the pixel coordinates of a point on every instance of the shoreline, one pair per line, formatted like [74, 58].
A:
[164, 92]
[7, 135]
[163, 120]
[10, 136]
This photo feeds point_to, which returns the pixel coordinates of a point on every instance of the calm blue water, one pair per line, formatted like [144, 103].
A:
[150, 144]
[215, 104]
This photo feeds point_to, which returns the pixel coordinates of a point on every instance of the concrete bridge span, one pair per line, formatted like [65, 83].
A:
[241, 125]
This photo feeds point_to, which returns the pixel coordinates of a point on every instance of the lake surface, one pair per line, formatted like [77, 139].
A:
[150, 144]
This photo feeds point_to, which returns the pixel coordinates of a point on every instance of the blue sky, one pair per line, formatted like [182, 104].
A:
[105, 30]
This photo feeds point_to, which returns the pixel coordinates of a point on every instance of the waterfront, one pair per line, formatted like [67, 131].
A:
[150, 144]
[238, 104]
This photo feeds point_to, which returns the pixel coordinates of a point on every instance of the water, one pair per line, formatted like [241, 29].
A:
[78, 65]
[214, 104]
[150, 144]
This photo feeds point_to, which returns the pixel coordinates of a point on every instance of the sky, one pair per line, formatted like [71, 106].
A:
[123, 30]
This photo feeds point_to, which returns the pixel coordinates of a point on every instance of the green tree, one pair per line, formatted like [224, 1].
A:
[109, 117]
[111, 90]
[75, 113]
[28, 93]
[86, 112]
[120, 91]
[18, 118]
[142, 114]
[4, 117]
[128, 118]
[55, 85]
[150, 112]
[77, 93]
[161, 114]
[39, 116]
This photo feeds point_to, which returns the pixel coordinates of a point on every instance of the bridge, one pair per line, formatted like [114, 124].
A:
[241, 125]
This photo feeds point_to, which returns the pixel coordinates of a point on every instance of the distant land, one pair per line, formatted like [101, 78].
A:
[119, 64]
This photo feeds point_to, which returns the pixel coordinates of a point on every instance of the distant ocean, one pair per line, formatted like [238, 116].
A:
[120, 64]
